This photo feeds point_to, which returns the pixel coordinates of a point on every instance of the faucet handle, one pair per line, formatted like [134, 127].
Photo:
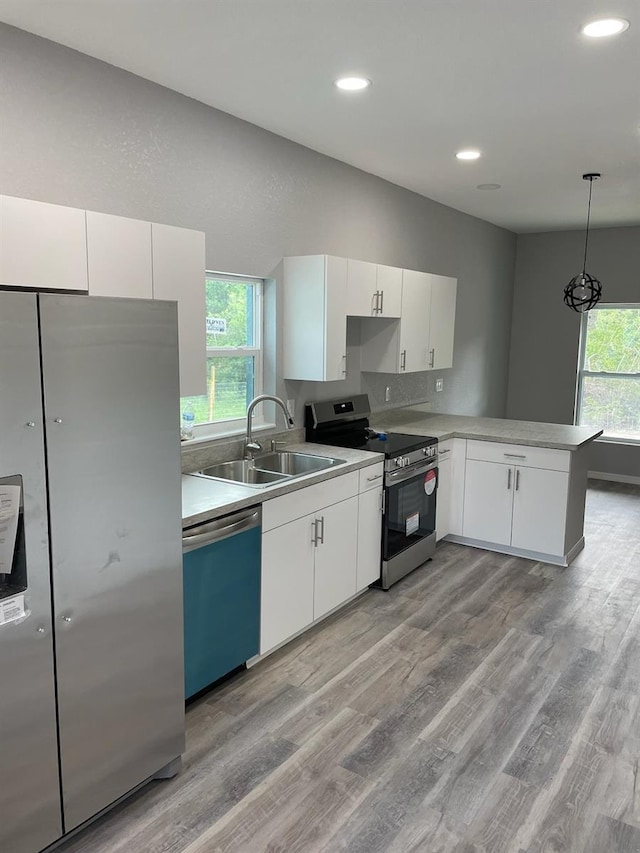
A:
[251, 448]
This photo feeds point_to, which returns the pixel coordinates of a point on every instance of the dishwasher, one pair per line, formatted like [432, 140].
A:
[221, 571]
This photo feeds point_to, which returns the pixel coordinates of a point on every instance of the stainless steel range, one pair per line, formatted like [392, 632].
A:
[410, 479]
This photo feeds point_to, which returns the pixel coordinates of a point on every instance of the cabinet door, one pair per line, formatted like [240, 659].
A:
[335, 556]
[179, 274]
[539, 510]
[442, 321]
[488, 499]
[361, 289]
[443, 498]
[389, 283]
[119, 256]
[287, 582]
[42, 245]
[414, 324]
[335, 348]
[314, 325]
[369, 538]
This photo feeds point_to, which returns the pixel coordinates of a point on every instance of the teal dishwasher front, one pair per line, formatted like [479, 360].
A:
[221, 568]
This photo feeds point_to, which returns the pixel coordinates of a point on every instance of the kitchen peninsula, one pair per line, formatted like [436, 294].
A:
[517, 487]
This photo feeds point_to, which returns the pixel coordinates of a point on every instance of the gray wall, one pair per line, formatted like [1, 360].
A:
[78, 132]
[545, 334]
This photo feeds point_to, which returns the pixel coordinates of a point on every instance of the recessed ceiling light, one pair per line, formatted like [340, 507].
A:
[353, 84]
[468, 155]
[488, 186]
[605, 27]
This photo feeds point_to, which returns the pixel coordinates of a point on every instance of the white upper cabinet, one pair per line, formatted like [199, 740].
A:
[442, 321]
[119, 256]
[373, 290]
[423, 338]
[42, 245]
[179, 274]
[315, 318]
[362, 291]
[389, 286]
[414, 324]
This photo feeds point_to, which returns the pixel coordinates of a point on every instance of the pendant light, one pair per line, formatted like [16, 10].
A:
[584, 291]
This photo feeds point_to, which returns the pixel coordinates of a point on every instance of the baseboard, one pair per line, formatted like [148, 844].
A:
[614, 478]
[538, 556]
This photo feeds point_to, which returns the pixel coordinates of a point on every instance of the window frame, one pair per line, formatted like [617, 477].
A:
[582, 373]
[236, 426]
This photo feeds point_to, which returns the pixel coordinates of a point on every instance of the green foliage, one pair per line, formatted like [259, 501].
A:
[613, 346]
[233, 302]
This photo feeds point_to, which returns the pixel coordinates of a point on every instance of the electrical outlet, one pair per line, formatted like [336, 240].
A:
[439, 384]
[387, 394]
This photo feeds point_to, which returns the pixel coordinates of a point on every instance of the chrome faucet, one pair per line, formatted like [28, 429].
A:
[252, 447]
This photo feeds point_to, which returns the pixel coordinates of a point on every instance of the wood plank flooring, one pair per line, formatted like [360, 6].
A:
[486, 704]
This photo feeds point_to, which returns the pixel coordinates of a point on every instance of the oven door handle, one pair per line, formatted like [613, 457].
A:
[402, 474]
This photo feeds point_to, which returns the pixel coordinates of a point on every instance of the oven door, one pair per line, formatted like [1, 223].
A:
[410, 507]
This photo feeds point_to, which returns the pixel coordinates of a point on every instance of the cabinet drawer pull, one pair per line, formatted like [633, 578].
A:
[321, 537]
[314, 532]
[371, 479]
[517, 479]
[442, 452]
[515, 456]
[509, 479]
[403, 359]
[381, 301]
[432, 357]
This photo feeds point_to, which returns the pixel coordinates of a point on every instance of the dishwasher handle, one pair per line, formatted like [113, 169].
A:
[221, 528]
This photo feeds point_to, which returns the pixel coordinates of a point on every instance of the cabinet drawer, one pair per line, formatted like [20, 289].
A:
[308, 500]
[519, 454]
[371, 477]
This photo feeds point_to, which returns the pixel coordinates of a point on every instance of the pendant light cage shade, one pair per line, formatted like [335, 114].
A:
[584, 291]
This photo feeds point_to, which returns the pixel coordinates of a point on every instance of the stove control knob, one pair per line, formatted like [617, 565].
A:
[426, 451]
[400, 462]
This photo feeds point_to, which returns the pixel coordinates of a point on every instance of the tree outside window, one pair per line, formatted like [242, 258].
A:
[609, 374]
[234, 356]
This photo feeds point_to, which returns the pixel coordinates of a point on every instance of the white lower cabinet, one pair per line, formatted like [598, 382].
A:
[369, 525]
[488, 502]
[369, 538]
[445, 489]
[320, 545]
[518, 506]
[539, 510]
[335, 556]
[287, 582]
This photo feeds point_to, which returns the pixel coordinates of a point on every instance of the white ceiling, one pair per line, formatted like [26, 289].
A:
[514, 78]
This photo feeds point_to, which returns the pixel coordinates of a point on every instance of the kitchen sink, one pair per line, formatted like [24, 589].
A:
[294, 464]
[270, 468]
[242, 471]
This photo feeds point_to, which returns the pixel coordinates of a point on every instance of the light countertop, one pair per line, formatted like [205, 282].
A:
[416, 421]
[204, 499]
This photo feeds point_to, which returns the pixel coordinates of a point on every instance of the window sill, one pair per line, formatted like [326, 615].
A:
[628, 442]
[224, 436]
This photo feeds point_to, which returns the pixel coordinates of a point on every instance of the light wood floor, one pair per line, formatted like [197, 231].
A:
[485, 704]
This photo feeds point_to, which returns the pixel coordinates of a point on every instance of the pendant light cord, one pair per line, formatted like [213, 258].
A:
[586, 239]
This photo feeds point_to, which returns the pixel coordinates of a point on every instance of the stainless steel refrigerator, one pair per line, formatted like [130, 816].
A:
[91, 641]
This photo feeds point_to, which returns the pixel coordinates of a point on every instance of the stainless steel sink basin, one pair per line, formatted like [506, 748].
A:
[242, 471]
[294, 464]
[270, 468]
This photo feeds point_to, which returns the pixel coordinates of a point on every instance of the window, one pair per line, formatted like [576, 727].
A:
[609, 372]
[234, 354]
